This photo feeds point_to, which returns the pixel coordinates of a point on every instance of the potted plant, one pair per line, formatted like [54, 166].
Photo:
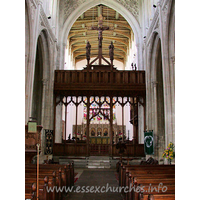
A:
[169, 153]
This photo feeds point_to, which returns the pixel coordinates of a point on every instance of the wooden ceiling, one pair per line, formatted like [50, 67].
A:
[119, 32]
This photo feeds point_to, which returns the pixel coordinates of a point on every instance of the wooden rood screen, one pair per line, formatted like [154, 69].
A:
[99, 82]
[105, 86]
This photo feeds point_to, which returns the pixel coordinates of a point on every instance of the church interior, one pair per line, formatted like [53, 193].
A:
[99, 97]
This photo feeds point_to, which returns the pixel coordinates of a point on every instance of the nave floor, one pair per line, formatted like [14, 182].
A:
[97, 181]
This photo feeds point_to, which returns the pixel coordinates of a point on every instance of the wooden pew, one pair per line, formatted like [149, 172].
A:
[32, 194]
[146, 194]
[160, 197]
[144, 169]
[141, 176]
[150, 184]
[51, 175]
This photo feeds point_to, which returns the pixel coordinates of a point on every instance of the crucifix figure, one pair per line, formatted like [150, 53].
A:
[100, 57]
[100, 28]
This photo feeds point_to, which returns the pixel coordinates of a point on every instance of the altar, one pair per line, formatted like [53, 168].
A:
[99, 140]
[99, 133]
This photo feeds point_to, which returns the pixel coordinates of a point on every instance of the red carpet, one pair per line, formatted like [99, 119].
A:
[75, 179]
[117, 176]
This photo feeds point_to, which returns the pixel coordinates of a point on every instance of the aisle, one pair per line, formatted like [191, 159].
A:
[97, 181]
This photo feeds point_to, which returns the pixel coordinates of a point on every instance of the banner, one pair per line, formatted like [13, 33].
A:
[148, 143]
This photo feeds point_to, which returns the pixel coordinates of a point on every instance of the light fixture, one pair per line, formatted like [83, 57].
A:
[154, 5]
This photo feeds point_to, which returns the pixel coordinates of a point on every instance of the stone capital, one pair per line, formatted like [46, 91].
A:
[159, 3]
[39, 2]
[44, 81]
[155, 83]
[173, 59]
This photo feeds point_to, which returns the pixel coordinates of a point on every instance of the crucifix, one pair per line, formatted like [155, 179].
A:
[100, 30]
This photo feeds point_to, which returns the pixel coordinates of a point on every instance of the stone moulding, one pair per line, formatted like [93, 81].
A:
[45, 23]
[155, 22]
[131, 5]
[154, 25]
[69, 6]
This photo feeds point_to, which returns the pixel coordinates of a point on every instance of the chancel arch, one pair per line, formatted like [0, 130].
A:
[130, 18]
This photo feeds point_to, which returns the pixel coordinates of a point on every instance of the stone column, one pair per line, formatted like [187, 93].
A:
[35, 18]
[166, 78]
[155, 122]
[58, 117]
[43, 118]
[172, 137]
[141, 119]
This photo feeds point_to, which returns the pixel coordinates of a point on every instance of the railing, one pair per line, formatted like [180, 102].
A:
[99, 149]
[132, 150]
[70, 149]
[99, 77]
[80, 149]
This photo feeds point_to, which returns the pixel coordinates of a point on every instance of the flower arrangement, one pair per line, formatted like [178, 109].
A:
[169, 152]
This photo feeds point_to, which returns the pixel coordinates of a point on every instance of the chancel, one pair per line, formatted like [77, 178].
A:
[100, 86]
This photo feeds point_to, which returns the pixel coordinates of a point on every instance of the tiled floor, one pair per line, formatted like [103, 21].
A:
[92, 185]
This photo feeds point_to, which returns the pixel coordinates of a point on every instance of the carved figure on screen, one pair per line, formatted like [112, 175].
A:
[88, 47]
[111, 51]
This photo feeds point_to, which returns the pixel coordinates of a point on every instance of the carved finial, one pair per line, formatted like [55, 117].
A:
[46, 179]
[150, 197]
[135, 181]
[34, 187]
[60, 170]
[54, 174]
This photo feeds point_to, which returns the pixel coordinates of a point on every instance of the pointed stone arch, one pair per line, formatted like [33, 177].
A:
[155, 94]
[42, 87]
[36, 110]
[89, 4]
[42, 74]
